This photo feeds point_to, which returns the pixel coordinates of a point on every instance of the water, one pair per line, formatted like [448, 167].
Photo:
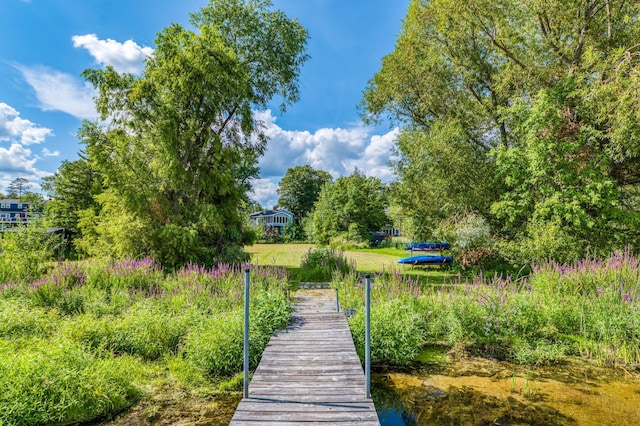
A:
[477, 391]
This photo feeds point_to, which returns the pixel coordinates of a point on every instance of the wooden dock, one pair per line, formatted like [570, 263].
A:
[309, 373]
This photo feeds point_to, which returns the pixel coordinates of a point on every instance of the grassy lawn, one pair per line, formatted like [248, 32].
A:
[287, 255]
[367, 261]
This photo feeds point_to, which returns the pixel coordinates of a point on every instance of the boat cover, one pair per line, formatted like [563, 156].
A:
[426, 260]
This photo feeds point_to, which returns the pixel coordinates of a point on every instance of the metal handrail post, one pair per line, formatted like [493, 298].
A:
[245, 391]
[367, 337]
[337, 301]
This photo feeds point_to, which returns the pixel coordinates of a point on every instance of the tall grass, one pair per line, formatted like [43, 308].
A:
[323, 264]
[589, 308]
[86, 339]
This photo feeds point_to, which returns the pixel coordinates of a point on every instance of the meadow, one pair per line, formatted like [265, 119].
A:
[89, 339]
[590, 309]
[84, 341]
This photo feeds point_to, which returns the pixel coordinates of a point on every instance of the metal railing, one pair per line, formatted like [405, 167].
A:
[245, 391]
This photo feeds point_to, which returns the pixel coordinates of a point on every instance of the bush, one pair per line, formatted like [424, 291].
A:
[542, 241]
[147, 333]
[216, 347]
[18, 320]
[57, 382]
[470, 238]
[24, 252]
[322, 264]
[396, 333]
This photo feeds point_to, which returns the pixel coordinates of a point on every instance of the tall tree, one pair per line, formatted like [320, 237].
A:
[18, 187]
[72, 189]
[299, 189]
[182, 144]
[526, 84]
[353, 206]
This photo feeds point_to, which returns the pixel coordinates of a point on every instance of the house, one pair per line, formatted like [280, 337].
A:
[390, 231]
[275, 219]
[15, 212]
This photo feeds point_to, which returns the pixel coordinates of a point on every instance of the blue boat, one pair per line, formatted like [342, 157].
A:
[428, 246]
[426, 260]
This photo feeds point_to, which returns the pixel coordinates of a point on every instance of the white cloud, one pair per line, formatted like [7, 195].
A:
[46, 153]
[264, 191]
[127, 57]
[12, 127]
[337, 151]
[376, 156]
[17, 160]
[58, 91]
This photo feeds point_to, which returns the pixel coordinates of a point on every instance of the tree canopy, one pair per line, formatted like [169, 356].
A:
[72, 190]
[353, 206]
[181, 144]
[299, 189]
[18, 187]
[534, 103]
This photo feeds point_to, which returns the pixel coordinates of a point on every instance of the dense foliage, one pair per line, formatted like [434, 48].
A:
[353, 206]
[180, 147]
[324, 265]
[299, 189]
[589, 308]
[522, 112]
[25, 252]
[72, 190]
[87, 340]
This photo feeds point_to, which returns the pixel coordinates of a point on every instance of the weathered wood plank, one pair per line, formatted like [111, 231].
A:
[309, 374]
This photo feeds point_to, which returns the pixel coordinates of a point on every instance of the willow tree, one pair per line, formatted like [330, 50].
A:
[182, 143]
[541, 97]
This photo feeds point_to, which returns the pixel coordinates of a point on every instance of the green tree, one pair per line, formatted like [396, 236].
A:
[182, 144]
[440, 176]
[18, 187]
[35, 201]
[72, 189]
[353, 206]
[299, 189]
[537, 94]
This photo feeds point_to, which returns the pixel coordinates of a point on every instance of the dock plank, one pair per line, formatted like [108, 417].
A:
[309, 374]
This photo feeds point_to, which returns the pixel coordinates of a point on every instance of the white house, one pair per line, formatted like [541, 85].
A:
[276, 218]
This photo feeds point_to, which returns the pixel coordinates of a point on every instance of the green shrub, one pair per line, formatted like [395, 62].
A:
[396, 334]
[17, 319]
[148, 333]
[216, 346]
[322, 264]
[24, 253]
[57, 382]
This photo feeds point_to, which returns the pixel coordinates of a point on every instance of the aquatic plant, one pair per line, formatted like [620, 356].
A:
[590, 308]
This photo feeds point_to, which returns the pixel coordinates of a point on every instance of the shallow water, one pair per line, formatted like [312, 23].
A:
[476, 391]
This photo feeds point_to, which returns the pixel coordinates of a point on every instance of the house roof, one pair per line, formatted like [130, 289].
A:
[11, 201]
[272, 213]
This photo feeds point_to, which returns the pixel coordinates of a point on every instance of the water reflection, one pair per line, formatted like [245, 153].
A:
[483, 392]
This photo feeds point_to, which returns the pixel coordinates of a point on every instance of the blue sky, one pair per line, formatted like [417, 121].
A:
[46, 44]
